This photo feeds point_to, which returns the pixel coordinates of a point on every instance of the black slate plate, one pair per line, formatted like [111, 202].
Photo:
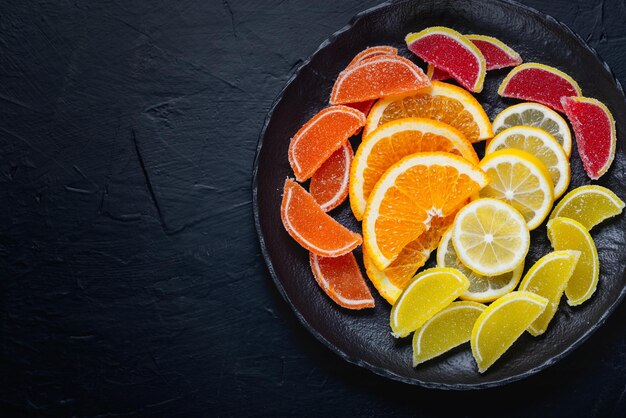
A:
[363, 338]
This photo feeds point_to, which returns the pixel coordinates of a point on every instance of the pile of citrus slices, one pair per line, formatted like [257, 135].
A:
[418, 185]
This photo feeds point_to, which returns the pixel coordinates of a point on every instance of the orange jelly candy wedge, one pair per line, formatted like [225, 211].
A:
[341, 279]
[373, 51]
[329, 184]
[376, 77]
[320, 137]
[311, 227]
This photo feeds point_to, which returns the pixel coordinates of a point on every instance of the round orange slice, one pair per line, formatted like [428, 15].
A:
[311, 227]
[539, 83]
[395, 140]
[373, 51]
[320, 137]
[341, 279]
[329, 184]
[411, 193]
[393, 280]
[443, 102]
[452, 52]
[376, 77]
[594, 129]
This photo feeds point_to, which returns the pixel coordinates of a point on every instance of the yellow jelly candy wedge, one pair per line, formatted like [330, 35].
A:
[428, 293]
[502, 323]
[548, 277]
[449, 328]
[567, 234]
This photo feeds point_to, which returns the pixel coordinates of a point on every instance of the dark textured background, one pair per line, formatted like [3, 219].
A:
[132, 280]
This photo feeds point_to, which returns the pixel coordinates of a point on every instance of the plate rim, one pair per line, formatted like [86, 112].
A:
[380, 371]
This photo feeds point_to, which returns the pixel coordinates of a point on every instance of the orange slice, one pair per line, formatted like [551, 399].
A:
[311, 227]
[539, 83]
[320, 137]
[443, 102]
[376, 77]
[393, 141]
[341, 279]
[452, 52]
[329, 184]
[594, 129]
[413, 192]
[371, 52]
[393, 280]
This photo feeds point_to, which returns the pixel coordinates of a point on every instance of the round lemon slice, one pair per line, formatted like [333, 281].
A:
[490, 237]
[542, 145]
[501, 324]
[428, 293]
[482, 288]
[538, 116]
[521, 180]
[567, 234]
[449, 328]
[548, 277]
[589, 205]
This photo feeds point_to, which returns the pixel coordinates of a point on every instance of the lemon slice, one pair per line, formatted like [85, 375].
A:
[548, 277]
[540, 144]
[428, 293]
[538, 116]
[521, 180]
[502, 323]
[449, 328]
[568, 234]
[482, 288]
[490, 237]
[589, 205]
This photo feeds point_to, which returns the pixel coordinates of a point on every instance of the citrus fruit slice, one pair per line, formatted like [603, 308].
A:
[497, 55]
[413, 192]
[594, 129]
[567, 234]
[443, 102]
[548, 277]
[538, 116]
[449, 328]
[501, 324]
[320, 137]
[482, 288]
[452, 52]
[521, 180]
[393, 141]
[391, 281]
[341, 279]
[428, 293]
[329, 184]
[589, 205]
[379, 76]
[311, 227]
[490, 237]
[540, 144]
[539, 83]
[371, 52]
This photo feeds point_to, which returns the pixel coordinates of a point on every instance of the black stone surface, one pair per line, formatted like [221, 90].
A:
[132, 280]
